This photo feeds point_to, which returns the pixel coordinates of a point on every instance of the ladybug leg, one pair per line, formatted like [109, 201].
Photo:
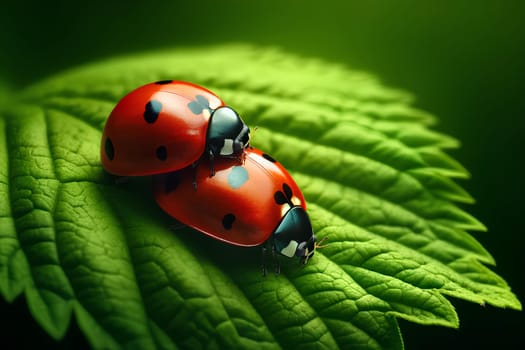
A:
[212, 167]
[276, 261]
[177, 226]
[119, 180]
[194, 165]
[194, 179]
[264, 269]
[242, 158]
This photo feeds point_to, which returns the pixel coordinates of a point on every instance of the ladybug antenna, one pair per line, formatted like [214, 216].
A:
[319, 245]
[252, 132]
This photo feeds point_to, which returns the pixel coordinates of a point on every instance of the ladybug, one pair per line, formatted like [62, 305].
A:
[248, 202]
[168, 125]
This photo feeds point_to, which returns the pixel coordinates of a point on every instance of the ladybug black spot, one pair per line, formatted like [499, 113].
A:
[199, 104]
[172, 182]
[163, 82]
[269, 158]
[284, 196]
[227, 221]
[162, 153]
[279, 198]
[287, 191]
[152, 111]
[109, 149]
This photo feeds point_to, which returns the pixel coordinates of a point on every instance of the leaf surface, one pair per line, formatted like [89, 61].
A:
[377, 179]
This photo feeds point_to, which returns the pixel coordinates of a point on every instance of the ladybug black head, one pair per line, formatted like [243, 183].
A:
[305, 250]
[294, 235]
[227, 134]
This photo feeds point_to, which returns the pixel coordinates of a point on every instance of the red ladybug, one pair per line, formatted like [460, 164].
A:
[168, 125]
[246, 203]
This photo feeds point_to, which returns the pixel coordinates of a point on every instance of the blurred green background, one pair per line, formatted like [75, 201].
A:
[464, 60]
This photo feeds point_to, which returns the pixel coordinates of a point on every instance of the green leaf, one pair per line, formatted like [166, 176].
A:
[377, 180]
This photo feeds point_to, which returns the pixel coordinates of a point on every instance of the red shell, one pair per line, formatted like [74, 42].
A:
[238, 204]
[142, 137]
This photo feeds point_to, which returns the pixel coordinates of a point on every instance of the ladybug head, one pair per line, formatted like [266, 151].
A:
[227, 134]
[305, 250]
[294, 235]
